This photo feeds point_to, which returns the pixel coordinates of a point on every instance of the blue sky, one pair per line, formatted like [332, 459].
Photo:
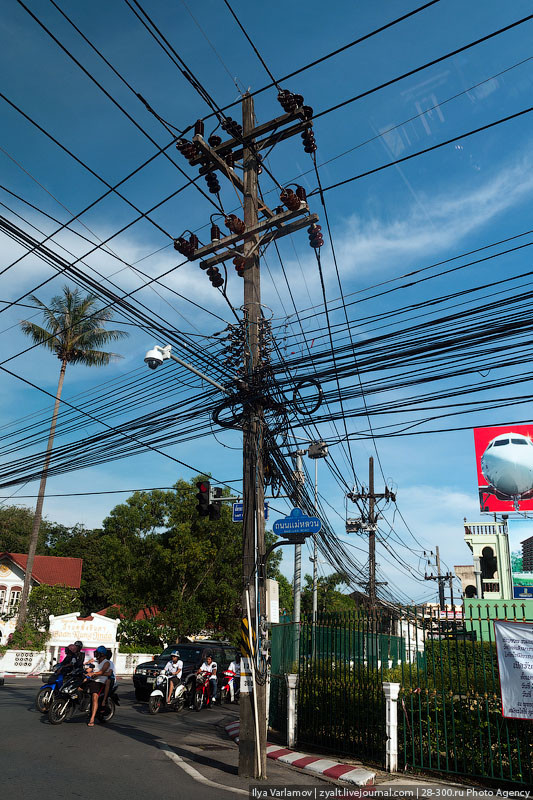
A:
[453, 200]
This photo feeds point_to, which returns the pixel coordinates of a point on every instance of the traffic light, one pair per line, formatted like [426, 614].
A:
[202, 496]
[216, 505]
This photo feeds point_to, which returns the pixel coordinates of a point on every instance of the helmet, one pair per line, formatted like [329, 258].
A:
[78, 644]
[175, 653]
[101, 650]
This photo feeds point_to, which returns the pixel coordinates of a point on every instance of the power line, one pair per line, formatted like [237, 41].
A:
[422, 152]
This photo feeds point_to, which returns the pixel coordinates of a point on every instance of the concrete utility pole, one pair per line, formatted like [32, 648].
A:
[242, 246]
[297, 579]
[372, 520]
[369, 522]
[441, 580]
[252, 754]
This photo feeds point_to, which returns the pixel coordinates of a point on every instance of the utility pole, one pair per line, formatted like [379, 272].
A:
[368, 522]
[298, 480]
[441, 580]
[252, 754]
[243, 245]
[371, 534]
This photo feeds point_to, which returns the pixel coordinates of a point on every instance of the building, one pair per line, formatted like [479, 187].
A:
[489, 543]
[527, 555]
[50, 570]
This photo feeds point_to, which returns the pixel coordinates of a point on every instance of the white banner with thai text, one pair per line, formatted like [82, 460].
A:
[514, 645]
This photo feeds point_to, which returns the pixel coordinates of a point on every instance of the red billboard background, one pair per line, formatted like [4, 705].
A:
[487, 499]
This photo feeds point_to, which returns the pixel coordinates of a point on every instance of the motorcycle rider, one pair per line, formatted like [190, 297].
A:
[210, 667]
[97, 680]
[112, 677]
[73, 658]
[235, 678]
[174, 669]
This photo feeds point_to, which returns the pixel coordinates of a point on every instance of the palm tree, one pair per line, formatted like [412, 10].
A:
[74, 329]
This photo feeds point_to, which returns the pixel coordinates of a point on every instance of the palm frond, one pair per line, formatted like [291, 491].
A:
[74, 328]
[94, 358]
[40, 335]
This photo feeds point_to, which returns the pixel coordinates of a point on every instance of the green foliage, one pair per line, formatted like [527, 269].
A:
[158, 553]
[516, 561]
[144, 635]
[74, 328]
[27, 638]
[451, 665]
[45, 600]
[329, 597]
[96, 590]
[286, 595]
[16, 524]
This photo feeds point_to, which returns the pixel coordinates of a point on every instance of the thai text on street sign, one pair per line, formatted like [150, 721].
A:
[514, 645]
[297, 522]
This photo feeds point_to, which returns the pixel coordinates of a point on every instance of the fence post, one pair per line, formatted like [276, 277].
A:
[292, 695]
[392, 691]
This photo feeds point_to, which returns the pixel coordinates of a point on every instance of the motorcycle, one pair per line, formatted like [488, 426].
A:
[72, 697]
[158, 698]
[52, 682]
[225, 692]
[202, 692]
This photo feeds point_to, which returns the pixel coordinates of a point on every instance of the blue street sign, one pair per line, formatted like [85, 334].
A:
[238, 512]
[296, 522]
[523, 592]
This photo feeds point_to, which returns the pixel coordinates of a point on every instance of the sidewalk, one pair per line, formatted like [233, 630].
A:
[348, 771]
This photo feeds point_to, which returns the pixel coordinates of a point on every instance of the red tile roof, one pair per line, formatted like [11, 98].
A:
[51, 570]
[144, 613]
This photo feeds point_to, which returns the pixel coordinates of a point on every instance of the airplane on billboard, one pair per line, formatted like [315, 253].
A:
[507, 466]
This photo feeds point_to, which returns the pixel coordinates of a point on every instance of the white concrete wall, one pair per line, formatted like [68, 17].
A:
[28, 662]
[23, 662]
[125, 663]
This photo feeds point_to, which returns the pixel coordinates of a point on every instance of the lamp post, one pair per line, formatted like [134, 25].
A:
[315, 451]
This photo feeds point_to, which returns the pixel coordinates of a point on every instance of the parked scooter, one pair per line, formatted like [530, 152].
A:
[52, 683]
[72, 697]
[158, 698]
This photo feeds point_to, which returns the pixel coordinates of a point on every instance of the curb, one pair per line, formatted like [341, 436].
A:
[315, 764]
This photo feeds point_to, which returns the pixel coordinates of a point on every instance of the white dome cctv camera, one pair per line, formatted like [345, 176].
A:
[153, 358]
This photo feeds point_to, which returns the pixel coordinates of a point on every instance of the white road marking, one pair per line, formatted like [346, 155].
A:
[194, 772]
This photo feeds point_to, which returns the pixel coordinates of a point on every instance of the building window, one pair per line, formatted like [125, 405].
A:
[3, 590]
[14, 597]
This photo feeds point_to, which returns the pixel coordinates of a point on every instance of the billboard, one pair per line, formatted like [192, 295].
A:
[521, 551]
[504, 462]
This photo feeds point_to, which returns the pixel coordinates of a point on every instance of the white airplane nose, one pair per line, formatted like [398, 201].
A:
[508, 471]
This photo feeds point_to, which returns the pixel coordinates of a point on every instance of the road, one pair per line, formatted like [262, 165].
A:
[136, 755]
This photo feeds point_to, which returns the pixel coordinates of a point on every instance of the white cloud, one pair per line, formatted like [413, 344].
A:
[435, 223]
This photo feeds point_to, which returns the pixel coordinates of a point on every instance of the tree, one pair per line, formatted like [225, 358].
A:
[329, 598]
[74, 332]
[96, 589]
[161, 554]
[16, 523]
[45, 600]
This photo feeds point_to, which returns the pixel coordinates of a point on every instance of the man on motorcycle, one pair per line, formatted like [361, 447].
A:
[98, 679]
[174, 669]
[210, 667]
[72, 659]
[234, 676]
